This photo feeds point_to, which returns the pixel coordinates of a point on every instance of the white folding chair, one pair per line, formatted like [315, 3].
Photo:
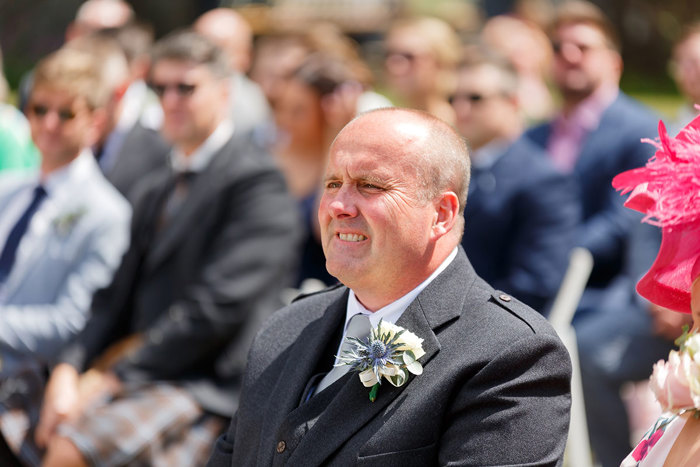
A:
[578, 448]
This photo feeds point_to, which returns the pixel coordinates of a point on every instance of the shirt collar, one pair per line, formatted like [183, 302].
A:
[132, 104]
[484, 157]
[588, 113]
[393, 311]
[57, 178]
[200, 158]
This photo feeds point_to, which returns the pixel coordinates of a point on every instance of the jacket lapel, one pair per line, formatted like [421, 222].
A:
[595, 143]
[204, 186]
[303, 360]
[351, 408]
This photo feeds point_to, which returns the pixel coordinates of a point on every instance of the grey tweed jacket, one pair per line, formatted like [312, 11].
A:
[494, 391]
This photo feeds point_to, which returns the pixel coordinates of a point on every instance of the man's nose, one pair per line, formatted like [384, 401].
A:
[571, 52]
[170, 98]
[51, 121]
[343, 204]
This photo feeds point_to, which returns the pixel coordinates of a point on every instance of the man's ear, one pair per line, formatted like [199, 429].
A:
[97, 128]
[446, 214]
[225, 93]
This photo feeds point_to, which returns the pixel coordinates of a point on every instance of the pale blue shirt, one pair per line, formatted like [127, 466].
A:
[393, 311]
[51, 182]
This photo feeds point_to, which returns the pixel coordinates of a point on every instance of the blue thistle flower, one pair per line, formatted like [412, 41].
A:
[375, 352]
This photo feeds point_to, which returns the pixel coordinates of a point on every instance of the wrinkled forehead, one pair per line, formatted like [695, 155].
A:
[383, 134]
[379, 144]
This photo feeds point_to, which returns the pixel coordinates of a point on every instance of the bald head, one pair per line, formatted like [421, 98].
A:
[437, 153]
[94, 15]
[391, 211]
[231, 32]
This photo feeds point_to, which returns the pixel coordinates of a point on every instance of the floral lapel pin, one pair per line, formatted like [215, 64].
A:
[389, 351]
[65, 222]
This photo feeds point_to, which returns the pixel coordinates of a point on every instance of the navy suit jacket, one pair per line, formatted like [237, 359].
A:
[521, 219]
[611, 148]
[494, 390]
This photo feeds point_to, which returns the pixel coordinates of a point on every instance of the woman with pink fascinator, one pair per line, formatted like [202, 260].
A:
[667, 190]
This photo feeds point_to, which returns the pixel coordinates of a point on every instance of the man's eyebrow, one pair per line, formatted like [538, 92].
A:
[368, 177]
[371, 178]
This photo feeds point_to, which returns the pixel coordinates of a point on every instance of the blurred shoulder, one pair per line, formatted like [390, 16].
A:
[631, 113]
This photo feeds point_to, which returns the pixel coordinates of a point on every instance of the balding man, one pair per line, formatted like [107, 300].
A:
[494, 387]
[94, 15]
[230, 31]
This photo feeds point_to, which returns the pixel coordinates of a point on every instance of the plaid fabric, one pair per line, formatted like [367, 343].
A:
[145, 424]
[20, 404]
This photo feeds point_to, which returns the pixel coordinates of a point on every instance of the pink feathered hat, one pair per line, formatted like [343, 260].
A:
[667, 190]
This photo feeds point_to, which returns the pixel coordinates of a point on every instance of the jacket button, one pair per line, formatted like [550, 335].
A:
[504, 297]
[281, 446]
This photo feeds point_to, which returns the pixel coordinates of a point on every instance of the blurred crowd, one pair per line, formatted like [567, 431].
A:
[158, 200]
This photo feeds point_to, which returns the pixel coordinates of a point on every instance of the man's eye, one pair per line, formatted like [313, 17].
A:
[370, 186]
[333, 185]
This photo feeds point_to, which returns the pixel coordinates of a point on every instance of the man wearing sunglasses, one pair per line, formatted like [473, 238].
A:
[596, 136]
[523, 212]
[63, 230]
[129, 147]
[214, 239]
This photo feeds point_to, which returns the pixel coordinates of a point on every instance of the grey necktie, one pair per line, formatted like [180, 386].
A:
[358, 327]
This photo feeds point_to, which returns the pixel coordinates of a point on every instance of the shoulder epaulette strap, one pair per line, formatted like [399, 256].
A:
[318, 292]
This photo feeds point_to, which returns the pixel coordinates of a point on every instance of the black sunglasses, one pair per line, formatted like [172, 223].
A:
[472, 97]
[583, 48]
[41, 111]
[181, 89]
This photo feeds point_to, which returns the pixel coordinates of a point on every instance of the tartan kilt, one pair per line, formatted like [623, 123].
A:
[145, 424]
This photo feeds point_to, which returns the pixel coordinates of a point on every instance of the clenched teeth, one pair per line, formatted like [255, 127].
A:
[351, 237]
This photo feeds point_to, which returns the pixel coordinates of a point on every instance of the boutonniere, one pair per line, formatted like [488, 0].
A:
[676, 381]
[389, 351]
[66, 221]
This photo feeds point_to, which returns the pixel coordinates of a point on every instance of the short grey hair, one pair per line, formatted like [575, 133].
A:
[447, 165]
[189, 46]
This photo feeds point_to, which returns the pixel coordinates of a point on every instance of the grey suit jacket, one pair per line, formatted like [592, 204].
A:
[47, 295]
[142, 152]
[199, 288]
[494, 391]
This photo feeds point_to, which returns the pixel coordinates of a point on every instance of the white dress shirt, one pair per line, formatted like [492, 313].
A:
[200, 158]
[393, 311]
